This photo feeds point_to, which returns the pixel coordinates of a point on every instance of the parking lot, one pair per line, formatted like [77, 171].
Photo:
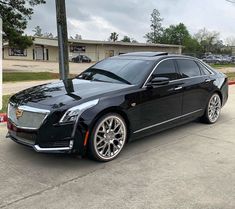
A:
[191, 166]
[40, 66]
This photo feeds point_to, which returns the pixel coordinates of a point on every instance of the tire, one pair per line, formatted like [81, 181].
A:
[213, 109]
[108, 138]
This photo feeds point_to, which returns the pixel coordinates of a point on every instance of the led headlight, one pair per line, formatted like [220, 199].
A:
[73, 113]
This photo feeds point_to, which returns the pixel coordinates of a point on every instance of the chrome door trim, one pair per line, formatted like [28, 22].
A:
[167, 121]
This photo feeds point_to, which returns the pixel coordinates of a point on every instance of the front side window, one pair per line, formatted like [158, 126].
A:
[188, 68]
[166, 69]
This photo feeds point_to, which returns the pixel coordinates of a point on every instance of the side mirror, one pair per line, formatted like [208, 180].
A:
[158, 81]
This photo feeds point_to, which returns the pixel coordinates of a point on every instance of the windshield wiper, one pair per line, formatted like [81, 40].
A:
[87, 75]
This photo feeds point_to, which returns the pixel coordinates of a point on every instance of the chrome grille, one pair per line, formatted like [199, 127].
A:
[31, 118]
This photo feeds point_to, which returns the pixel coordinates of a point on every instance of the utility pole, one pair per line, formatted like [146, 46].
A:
[62, 39]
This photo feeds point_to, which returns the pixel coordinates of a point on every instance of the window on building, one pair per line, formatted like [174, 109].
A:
[77, 49]
[17, 52]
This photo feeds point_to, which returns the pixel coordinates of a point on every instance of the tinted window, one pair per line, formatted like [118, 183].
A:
[119, 71]
[203, 69]
[166, 69]
[188, 68]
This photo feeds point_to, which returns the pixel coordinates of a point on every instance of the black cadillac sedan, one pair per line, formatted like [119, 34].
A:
[115, 101]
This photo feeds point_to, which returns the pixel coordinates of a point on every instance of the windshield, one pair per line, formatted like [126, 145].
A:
[118, 71]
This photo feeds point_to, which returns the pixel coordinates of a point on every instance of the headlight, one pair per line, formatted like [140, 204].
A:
[73, 113]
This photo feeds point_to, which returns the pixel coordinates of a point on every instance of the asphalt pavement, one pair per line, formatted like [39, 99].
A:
[190, 166]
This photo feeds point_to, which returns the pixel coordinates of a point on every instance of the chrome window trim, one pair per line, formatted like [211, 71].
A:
[28, 109]
[172, 119]
[174, 58]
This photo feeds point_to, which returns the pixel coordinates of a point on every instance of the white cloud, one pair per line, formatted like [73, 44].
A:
[97, 19]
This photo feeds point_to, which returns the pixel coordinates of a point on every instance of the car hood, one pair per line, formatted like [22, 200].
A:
[59, 94]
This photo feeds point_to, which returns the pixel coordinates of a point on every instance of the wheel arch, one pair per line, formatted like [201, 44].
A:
[116, 110]
[220, 95]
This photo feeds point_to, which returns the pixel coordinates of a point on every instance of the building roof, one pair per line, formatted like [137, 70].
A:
[54, 42]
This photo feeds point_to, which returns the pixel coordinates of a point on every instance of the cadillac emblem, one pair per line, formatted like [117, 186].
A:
[19, 113]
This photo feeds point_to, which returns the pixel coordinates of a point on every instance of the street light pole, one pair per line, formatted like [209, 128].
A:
[62, 39]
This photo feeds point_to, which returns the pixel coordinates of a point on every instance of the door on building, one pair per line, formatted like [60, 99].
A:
[39, 53]
[109, 53]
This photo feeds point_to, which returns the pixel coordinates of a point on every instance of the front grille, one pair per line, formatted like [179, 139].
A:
[31, 118]
[25, 138]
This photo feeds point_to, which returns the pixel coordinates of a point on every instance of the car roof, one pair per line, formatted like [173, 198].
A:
[154, 56]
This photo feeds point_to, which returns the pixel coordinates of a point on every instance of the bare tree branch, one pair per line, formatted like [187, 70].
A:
[231, 1]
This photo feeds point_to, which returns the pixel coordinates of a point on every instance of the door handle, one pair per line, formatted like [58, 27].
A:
[207, 80]
[178, 88]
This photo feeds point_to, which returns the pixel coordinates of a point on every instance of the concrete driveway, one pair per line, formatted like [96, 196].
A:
[191, 166]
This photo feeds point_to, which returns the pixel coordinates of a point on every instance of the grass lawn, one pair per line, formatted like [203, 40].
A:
[222, 65]
[28, 76]
[231, 76]
[5, 99]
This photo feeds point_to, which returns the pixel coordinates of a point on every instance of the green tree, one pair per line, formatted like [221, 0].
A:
[192, 47]
[113, 36]
[175, 34]
[155, 35]
[134, 41]
[126, 39]
[38, 31]
[15, 15]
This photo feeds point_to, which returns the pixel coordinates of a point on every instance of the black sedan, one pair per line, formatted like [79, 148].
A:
[81, 58]
[115, 101]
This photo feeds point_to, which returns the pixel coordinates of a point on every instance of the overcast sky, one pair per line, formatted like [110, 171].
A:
[96, 19]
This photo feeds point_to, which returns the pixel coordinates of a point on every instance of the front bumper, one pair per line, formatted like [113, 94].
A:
[37, 148]
[34, 139]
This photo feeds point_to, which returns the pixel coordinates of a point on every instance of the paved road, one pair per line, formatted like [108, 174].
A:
[191, 166]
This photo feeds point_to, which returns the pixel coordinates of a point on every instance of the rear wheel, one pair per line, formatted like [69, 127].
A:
[213, 109]
[108, 138]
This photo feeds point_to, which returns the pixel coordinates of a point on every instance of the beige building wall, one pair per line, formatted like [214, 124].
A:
[52, 53]
[94, 51]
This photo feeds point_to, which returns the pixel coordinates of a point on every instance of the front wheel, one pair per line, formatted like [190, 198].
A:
[108, 138]
[213, 109]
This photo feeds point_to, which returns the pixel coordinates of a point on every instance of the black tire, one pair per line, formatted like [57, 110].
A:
[103, 146]
[213, 109]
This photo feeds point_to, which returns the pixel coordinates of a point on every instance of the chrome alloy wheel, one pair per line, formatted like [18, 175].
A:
[214, 108]
[110, 137]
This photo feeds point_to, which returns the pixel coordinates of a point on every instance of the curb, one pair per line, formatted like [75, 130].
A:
[3, 117]
[231, 82]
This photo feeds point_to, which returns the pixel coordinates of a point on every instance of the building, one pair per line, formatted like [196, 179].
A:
[47, 49]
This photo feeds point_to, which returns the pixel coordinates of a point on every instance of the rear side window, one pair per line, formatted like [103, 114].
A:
[166, 69]
[188, 68]
[203, 69]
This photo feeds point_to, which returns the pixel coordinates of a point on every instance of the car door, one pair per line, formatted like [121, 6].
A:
[194, 84]
[161, 103]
